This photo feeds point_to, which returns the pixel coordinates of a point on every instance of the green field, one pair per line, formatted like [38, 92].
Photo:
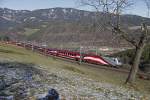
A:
[29, 31]
[16, 54]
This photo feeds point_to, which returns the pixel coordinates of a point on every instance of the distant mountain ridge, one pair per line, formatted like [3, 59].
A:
[44, 14]
[12, 18]
[50, 23]
[65, 14]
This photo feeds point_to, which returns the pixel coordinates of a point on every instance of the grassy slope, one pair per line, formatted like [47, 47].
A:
[13, 53]
[29, 31]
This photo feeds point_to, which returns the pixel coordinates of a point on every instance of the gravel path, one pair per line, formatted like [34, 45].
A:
[78, 86]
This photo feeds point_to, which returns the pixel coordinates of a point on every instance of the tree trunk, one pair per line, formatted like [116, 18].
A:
[136, 62]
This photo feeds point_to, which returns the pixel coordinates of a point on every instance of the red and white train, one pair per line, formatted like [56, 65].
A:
[88, 58]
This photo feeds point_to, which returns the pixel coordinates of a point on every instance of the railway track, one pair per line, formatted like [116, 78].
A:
[140, 74]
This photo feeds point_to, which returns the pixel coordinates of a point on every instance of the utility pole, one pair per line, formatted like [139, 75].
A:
[24, 45]
[81, 54]
[96, 52]
[61, 47]
[45, 48]
[32, 46]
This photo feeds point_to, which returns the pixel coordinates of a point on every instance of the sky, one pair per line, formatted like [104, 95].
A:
[138, 8]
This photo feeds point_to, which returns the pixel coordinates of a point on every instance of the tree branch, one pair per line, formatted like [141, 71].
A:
[125, 36]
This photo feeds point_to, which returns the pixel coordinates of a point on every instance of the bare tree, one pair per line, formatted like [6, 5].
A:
[147, 2]
[115, 8]
[139, 45]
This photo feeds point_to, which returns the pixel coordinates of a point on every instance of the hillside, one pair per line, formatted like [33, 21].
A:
[61, 26]
[31, 75]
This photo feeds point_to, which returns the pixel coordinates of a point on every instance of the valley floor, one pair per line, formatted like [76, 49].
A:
[31, 75]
